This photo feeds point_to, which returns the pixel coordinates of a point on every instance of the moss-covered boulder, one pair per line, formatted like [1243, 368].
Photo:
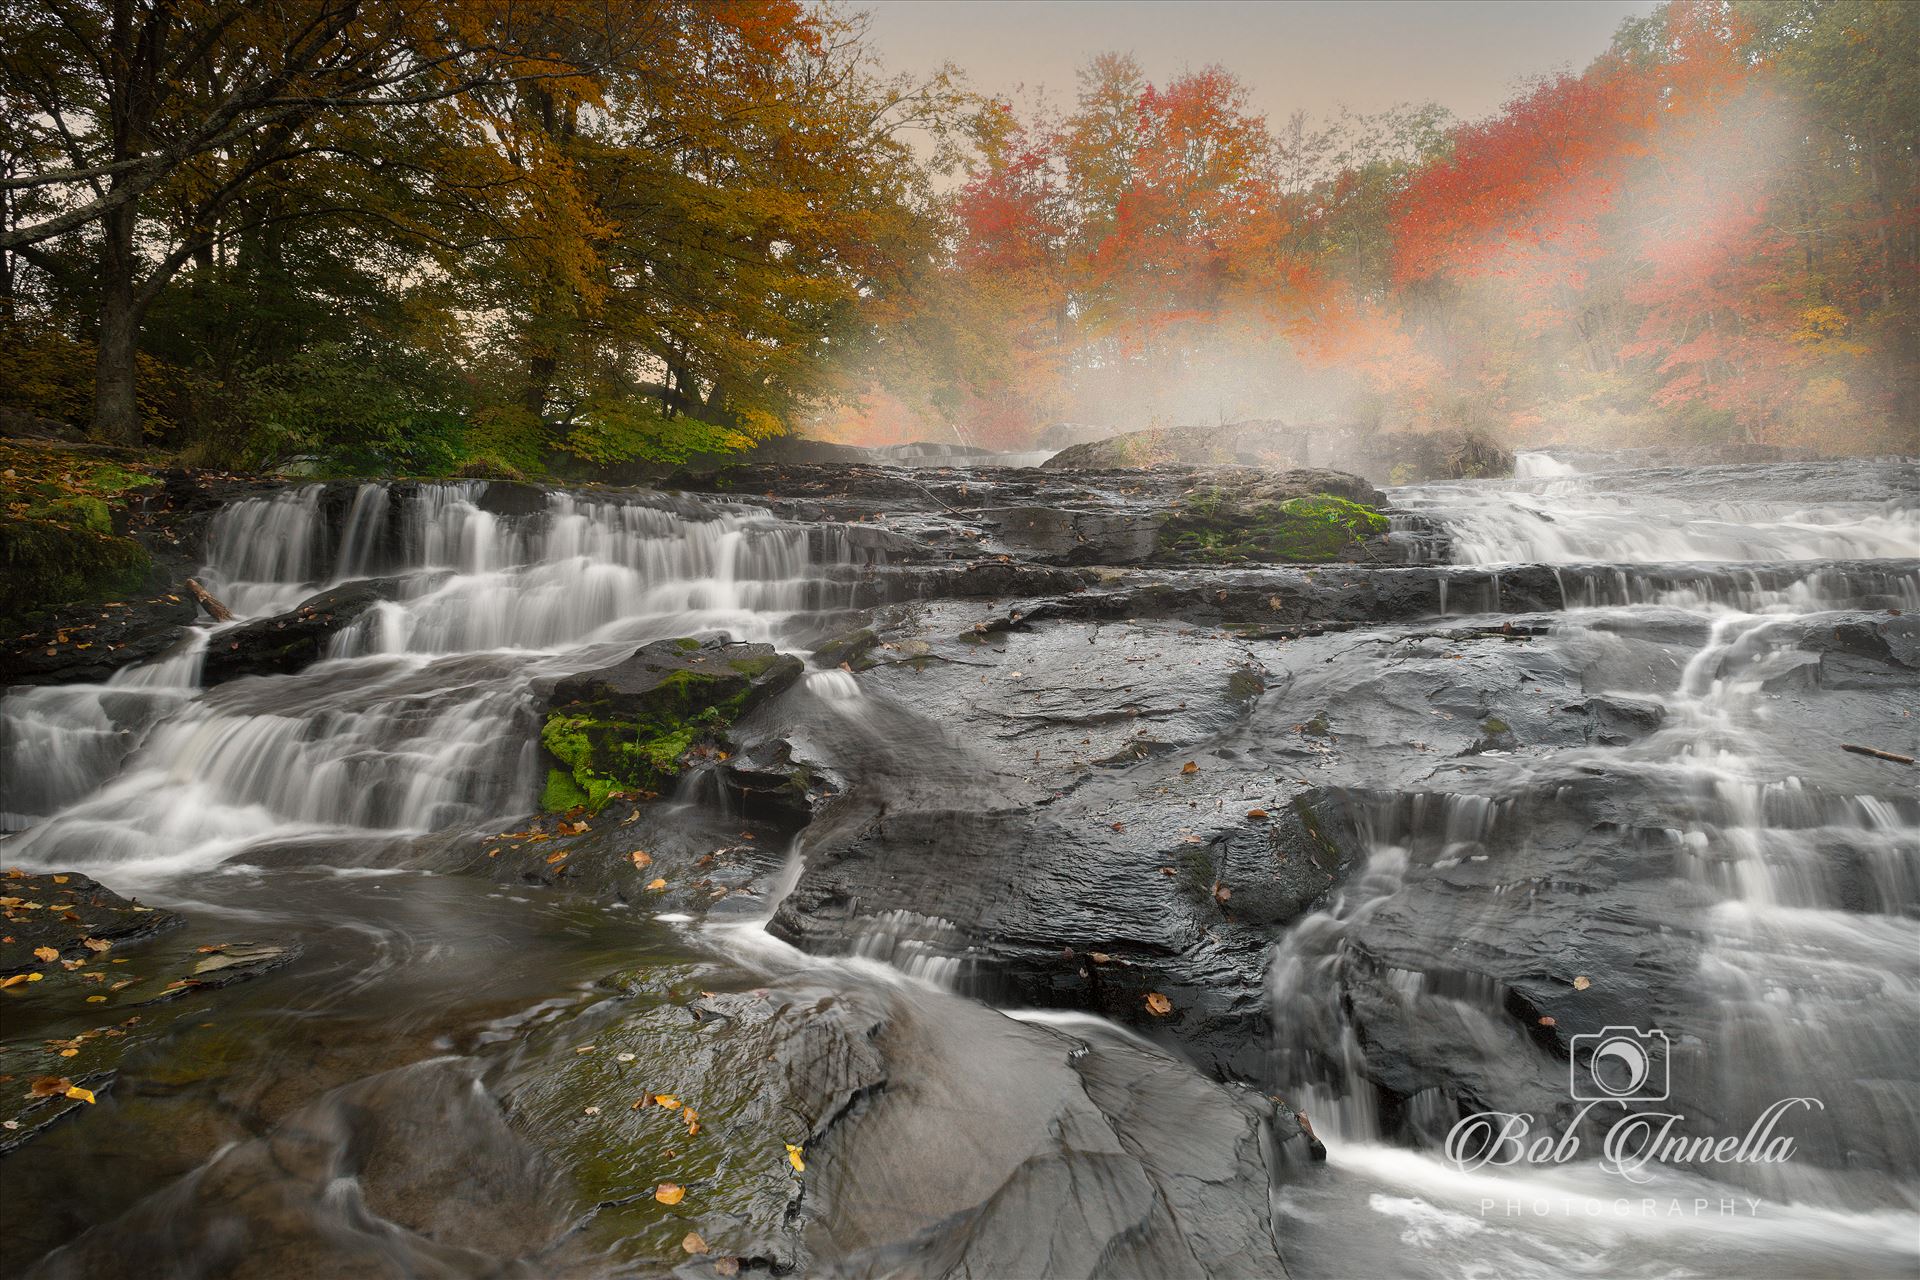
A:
[631, 726]
[1236, 515]
[48, 563]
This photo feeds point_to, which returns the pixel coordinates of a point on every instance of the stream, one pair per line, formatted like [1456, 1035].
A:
[1570, 769]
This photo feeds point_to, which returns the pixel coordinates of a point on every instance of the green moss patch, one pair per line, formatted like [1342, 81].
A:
[630, 729]
[46, 564]
[1211, 527]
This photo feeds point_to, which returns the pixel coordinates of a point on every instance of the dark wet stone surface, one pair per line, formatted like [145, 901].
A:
[291, 641]
[60, 912]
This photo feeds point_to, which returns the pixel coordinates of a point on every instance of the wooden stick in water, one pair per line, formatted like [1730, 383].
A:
[219, 612]
[1876, 753]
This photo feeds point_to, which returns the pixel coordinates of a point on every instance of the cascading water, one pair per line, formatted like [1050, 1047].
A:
[421, 720]
[1795, 874]
[1718, 864]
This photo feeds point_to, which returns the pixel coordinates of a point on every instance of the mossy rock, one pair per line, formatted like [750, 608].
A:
[748, 1073]
[1212, 527]
[48, 564]
[853, 649]
[629, 727]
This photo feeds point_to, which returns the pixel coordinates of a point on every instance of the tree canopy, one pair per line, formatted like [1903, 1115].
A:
[431, 234]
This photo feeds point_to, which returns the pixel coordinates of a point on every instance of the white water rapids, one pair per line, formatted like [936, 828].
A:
[1816, 979]
[422, 719]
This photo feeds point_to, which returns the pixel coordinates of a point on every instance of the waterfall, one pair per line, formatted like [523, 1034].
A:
[1797, 874]
[418, 720]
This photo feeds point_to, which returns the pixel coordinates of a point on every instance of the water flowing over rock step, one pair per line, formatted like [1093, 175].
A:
[346, 619]
[1377, 841]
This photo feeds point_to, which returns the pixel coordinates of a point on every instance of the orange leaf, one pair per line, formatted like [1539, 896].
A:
[1158, 1005]
[45, 955]
[641, 858]
[669, 1193]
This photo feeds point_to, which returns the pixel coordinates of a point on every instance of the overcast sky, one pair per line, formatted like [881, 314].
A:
[1467, 55]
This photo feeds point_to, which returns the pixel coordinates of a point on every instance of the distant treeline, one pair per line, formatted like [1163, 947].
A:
[1712, 233]
[404, 236]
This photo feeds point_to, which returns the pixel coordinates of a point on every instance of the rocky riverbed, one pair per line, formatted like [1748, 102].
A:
[855, 870]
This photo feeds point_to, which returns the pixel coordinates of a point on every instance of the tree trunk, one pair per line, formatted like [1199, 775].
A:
[541, 366]
[116, 411]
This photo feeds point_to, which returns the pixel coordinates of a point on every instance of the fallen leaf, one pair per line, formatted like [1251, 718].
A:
[16, 980]
[666, 1100]
[1582, 983]
[692, 1243]
[793, 1158]
[556, 857]
[45, 955]
[624, 1057]
[96, 944]
[641, 858]
[669, 1193]
[48, 1086]
[96, 999]
[1158, 1005]
[1099, 957]
[1546, 1022]
[60, 879]
[1191, 766]
[80, 1095]
[1258, 815]
[657, 884]
[590, 1111]
[726, 1266]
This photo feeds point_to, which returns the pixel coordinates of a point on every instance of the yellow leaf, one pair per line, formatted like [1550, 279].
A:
[1158, 1005]
[1581, 983]
[793, 1158]
[16, 980]
[669, 1193]
[81, 1095]
[60, 879]
[666, 1100]
[657, 884]
[96, 999]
